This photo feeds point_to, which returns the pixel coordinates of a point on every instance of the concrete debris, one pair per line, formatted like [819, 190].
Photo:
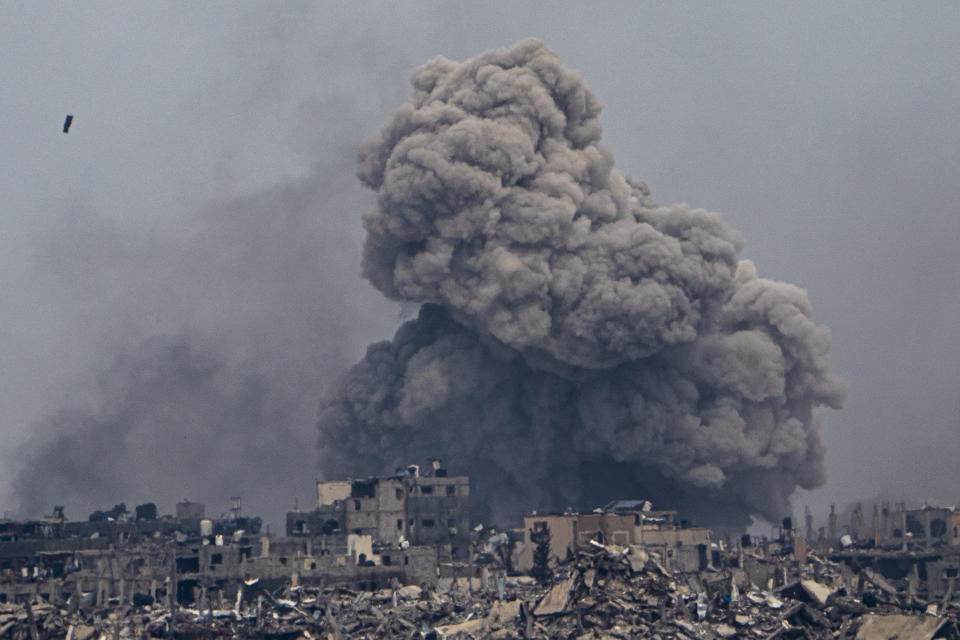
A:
[901, 627]
[600, 594]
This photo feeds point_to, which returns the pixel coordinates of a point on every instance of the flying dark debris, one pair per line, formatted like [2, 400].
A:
[578, 341]
[67, 123]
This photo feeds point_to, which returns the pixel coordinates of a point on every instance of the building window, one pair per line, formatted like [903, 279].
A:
[540, 526]
[399, 494]
[428, 523]
[916, 527]
[426, 490]
[938, 528]
[356, 505]
[216, 558]
[399, 525]
[451, 490]
[385, 560]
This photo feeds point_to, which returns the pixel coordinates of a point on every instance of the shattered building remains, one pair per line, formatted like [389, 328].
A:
[625, 570]
[409, 508]
[918, 548]
[620, 523]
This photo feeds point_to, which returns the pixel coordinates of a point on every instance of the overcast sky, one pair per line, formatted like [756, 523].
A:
[201, 220]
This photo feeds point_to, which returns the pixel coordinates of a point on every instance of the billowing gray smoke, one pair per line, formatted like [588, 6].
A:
[579, 341]
[223, 404]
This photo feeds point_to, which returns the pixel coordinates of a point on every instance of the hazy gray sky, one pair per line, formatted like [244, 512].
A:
[205, 197]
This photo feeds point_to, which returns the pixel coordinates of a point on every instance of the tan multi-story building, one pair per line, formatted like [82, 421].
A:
[680, 548]
[409, 507]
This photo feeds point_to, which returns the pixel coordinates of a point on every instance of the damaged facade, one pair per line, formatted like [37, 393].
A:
[619, 523]
[917, 549]
[409, 508]
[625, 570]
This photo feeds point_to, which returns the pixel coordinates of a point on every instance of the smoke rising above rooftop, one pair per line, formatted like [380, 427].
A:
[577, 341]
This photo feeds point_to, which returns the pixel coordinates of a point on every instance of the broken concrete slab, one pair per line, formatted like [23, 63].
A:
[556, 600]
[899, 627]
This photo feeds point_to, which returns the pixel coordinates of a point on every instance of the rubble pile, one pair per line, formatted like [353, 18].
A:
[611, 592]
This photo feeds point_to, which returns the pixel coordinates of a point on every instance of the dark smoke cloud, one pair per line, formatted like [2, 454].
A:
[579, 341]
[253, 312]
[174, 420]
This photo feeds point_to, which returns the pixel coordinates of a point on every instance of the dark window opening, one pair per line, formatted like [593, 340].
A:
[313, 565]
[356, 505]
[216, 558]
[428, 523]
[363, 489]
[399, 525]
[950, 572]
[916, 527]
[938, 528]
[406, 560]
[451, 490]
[188, 565]
[330, 526]
[426, 490]
[539, 526]
[897, 533]
[385, 560]
[185, 589]
[283, 561]
[399, 494]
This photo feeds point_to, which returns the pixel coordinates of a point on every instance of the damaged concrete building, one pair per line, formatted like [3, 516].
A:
[915, 548]
[188, 560]
[622, 523]
[409, 508]
[626, 570]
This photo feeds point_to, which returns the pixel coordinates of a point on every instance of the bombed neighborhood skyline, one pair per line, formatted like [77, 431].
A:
[182, 273]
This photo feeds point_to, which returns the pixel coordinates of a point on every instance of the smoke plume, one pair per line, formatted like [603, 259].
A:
[252, 313]
[578, 341]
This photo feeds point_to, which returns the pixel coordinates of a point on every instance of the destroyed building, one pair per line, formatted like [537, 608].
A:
[189, 560]
[409, 508]
[917, 549]
[625, 570]
[620, 523]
